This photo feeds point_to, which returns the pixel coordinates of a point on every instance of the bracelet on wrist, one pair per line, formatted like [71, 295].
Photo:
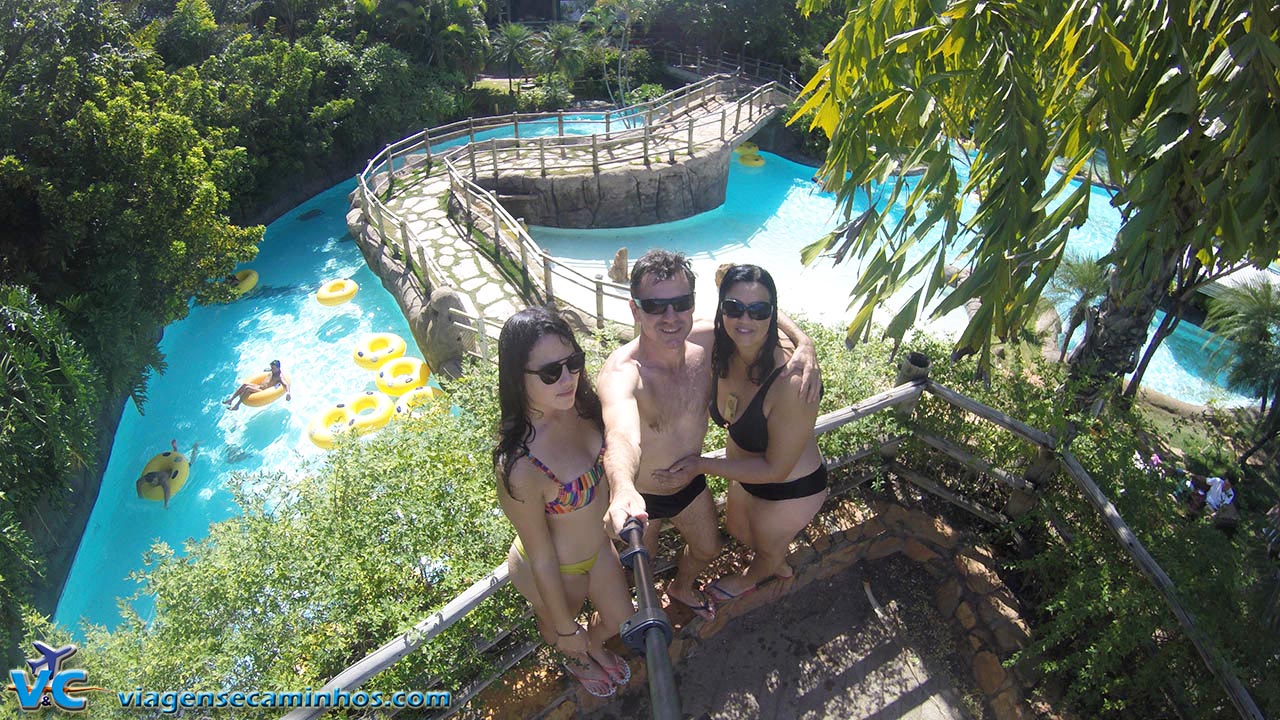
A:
[577, 629]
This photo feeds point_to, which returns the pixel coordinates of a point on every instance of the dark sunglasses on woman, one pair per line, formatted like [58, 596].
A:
[658, 306]
[550, 373]
[756, 310]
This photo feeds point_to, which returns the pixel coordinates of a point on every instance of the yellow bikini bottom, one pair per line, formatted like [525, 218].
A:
[579, 568]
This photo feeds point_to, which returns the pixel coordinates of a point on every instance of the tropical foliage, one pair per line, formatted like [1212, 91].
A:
[1079, 281]
[1104, 640]
[137, 139]
[47, 409]
[1182, 104]
[560, 50]
[763, 29]
[510, 47]
[1248, 316]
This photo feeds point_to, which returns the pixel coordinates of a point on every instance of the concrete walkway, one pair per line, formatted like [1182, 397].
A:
[825, 653]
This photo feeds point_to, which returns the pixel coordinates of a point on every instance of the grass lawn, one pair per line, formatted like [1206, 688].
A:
[494, 84]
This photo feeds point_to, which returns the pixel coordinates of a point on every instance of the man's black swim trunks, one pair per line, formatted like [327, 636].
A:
[668, 506]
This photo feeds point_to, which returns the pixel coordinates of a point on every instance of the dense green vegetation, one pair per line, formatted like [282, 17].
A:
[46, 417]
[139, 140]
[1104, 640]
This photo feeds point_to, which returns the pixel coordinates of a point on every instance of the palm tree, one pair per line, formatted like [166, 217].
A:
[560, 49]
[1248, 315]
[1082, 280]
[510, 46]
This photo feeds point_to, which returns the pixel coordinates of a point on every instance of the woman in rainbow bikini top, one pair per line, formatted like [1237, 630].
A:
[552, 487]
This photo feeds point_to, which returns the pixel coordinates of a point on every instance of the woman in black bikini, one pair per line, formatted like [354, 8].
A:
[551, 428]
[779, 479]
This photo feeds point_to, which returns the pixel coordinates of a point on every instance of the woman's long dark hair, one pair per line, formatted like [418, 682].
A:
[515, 343]
[723, 349]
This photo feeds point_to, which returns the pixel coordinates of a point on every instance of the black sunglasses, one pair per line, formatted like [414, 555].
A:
[658, 306]
[550, 373]
[756, 310]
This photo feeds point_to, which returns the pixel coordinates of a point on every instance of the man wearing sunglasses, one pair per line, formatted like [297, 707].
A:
[655, 392]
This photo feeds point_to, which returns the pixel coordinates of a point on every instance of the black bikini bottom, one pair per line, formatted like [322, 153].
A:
[668, 506]
[811, 484]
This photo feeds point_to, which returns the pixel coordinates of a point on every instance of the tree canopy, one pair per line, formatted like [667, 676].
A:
[137, 139]
[1178, 100]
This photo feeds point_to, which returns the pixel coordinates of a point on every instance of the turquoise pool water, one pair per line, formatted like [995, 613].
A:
[207, 353]
[770, 213]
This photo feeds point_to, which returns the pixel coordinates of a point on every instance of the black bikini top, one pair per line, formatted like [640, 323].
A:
[751, 430]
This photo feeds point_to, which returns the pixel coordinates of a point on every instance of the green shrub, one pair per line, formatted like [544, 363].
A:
[489, 101]
[645, 93]
[812, 142]
[48, 402]
[189, 36]
[600, 78]
[550, 93]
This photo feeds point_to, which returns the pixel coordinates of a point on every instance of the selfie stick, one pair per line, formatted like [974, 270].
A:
[648, 631]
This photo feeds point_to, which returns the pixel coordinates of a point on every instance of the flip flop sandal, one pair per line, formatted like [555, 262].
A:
[722, 595]
[705, 609]
[618, 669]
[597, 682]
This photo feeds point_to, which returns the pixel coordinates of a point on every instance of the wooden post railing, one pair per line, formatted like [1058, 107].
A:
[903, 394]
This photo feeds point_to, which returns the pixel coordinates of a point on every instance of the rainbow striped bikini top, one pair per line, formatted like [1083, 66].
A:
[577, 493]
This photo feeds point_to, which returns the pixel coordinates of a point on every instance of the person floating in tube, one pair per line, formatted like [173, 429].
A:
[276, 378]
[160, 478]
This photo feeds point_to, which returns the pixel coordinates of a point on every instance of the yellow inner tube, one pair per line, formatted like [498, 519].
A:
[377, 349]
[328, 424]
[400, 375]
[751, 160]
[372, 410]
[336, 292]
[415, 397]
[246, 280]
[747, 148]
[267, 396]
[178, 467]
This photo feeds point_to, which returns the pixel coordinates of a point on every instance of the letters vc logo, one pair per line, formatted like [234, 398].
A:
[50, 685]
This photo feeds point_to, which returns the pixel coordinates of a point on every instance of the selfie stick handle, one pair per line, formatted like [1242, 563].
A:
[648, 631]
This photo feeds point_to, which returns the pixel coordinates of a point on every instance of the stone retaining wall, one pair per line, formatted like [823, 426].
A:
[622, 198]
